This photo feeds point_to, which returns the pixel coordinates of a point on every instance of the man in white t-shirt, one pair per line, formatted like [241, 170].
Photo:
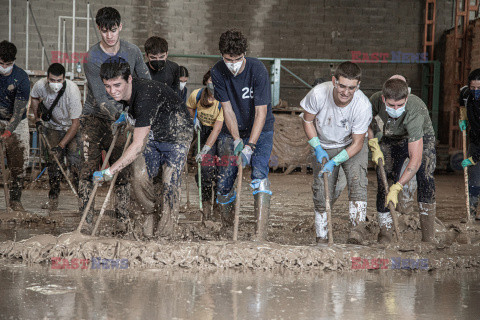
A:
[61, 130]
[342, 114]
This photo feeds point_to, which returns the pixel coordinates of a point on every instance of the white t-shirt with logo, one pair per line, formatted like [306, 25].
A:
[335, 125]
[69, 106]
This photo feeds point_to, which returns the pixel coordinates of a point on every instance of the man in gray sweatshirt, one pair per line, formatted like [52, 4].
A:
[101, 111]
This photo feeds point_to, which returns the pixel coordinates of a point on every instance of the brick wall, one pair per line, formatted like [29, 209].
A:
[328, 29]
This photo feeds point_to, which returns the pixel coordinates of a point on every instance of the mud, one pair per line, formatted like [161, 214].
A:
[205, 246]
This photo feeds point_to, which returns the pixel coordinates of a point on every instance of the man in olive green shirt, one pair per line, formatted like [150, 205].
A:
[407, 133]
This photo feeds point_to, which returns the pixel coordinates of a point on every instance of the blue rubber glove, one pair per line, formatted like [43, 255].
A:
[101, 176]
[320, 154]
[468, 162]
[121, 121]
[237, 147]
[462, 124]
[328, 167]
[246, 155]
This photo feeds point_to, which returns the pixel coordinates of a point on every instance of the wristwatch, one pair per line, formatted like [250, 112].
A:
[252, 145]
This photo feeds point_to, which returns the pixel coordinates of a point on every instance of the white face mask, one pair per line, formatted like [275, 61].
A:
[182, 85]
[55, 86]
[395, 113]
[6, 70]
[234, 67]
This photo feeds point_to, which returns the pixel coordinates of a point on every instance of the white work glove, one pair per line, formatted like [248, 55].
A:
[196, 125]
[203, 152]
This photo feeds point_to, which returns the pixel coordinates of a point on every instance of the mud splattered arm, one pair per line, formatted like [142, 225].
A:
[309, 125]
[230, 120]
[415, 152]
[95, 84]
[19, 109]
[140, 136]
[258, 123]
[217, 127]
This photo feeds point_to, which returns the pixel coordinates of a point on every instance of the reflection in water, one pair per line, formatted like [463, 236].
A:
[166, 294]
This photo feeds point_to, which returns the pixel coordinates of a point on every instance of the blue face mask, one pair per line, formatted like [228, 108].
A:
[475, 94]
[395, 113]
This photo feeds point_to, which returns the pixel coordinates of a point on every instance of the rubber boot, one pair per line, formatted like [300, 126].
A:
[358, 214]
[207, 210]
[227, 207]
[16, 206]
[262, 211]
[427, 221]
[321, 227]
[51, 205]
[385, 222]
[216, 214]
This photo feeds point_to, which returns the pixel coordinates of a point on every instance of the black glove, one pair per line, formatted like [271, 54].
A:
[58, 151]
[40, 127]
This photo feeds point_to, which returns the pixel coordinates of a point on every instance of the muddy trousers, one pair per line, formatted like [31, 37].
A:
[208, 165]
[355, 170]
[71, 152]
[17, 152]
[164, 164]
[96, 135]
[474, 180]
[395, 152]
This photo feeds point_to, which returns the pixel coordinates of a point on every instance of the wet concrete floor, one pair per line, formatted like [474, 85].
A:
[38, 292]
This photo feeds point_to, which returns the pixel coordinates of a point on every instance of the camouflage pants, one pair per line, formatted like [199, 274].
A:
[17, 151]
[395, 152]
[96, 135]
[71, 152]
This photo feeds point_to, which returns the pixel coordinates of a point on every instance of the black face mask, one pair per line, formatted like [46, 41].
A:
[157, 65]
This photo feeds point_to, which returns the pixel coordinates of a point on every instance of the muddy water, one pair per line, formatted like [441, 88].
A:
[38, 292]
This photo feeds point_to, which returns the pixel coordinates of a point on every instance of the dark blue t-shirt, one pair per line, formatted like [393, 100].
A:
[245, 91]
[14, 86]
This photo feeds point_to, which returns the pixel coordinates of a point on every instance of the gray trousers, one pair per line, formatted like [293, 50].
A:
[355, 170]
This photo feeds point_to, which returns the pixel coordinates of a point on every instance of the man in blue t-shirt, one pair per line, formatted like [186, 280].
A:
[242, 85]
[14, 94]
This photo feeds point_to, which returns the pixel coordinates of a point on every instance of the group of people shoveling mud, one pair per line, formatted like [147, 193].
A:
[147, 129]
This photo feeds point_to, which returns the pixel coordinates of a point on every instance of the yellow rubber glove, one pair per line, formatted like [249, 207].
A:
[376, 151]
[392, 195]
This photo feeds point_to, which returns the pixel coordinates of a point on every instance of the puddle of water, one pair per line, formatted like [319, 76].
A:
[37, 292]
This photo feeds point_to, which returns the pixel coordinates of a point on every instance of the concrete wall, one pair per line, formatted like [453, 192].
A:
[329, 29]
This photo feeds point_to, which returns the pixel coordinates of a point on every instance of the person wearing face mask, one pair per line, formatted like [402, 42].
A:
[208, 116]
[161, 69]
[335, 119]
[470, 119]
[14, 95]
[407, 133]
[61, 99]
[242, 85]
[183, 83]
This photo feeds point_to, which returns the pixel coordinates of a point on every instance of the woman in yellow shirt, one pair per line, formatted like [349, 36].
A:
[208, 118]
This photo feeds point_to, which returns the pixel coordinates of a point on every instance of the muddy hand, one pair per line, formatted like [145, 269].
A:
[237, 147]
[246, 155]
[203, 152]
[101, 176]
[328, 167]
[121, 121]
[376, 151]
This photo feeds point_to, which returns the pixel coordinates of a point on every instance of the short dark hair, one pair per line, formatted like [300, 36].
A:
[348, 70]
[108, 18]
[115, 67]
[56, 69]
[183, 72]
[474, 75]
[395, 89]
[232, 42]
[8, 51]
[156, 45]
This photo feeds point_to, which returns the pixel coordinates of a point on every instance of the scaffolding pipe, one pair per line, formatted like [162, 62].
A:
[59, 33]
[88, 27]
[64, 42]
[26, 35]
[40, 37]
[9, 20]
[73, 38]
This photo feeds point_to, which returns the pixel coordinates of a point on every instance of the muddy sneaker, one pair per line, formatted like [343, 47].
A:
[16, 206]
[357, 234]
[51, 205]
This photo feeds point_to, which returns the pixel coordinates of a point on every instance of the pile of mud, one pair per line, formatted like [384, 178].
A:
[214, 255]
